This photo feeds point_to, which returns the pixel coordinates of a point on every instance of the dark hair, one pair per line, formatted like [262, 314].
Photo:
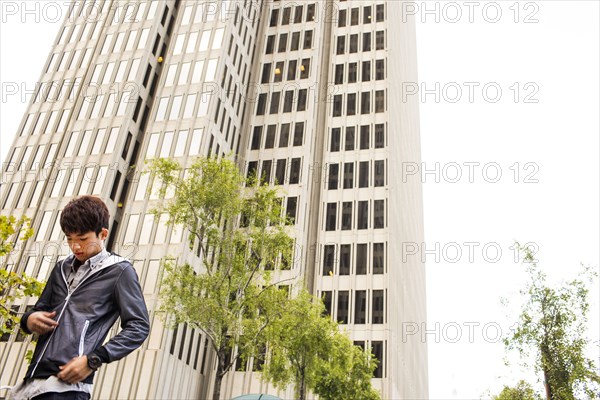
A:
[84, 214]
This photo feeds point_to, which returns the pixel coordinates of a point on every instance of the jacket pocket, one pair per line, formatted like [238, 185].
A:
[82, 337]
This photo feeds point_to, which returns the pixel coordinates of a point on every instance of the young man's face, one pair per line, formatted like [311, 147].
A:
[86, 245]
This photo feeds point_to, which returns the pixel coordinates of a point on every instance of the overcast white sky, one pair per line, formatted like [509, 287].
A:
[540, 133]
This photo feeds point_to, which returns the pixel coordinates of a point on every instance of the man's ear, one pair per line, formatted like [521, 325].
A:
[103, 234]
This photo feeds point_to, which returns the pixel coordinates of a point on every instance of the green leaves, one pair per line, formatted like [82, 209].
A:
[239, 232]
[551, 330]
[14, 286]
[306, 348]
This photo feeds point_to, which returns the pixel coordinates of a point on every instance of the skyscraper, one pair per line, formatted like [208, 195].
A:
[305, 94]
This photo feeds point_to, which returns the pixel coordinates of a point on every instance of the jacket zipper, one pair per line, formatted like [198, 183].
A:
[82, 338]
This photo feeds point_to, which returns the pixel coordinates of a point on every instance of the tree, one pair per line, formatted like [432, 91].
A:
[240, 235]
[307, 349]
[14, 286]
[551, 329]
[523, 391]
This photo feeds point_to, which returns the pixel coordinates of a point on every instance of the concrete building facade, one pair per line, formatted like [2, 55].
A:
[304, 94]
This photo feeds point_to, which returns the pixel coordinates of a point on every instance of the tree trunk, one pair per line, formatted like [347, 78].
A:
[547, 386]
[302, 389]
[219, 376]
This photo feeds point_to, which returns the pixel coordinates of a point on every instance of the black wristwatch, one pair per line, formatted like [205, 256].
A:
[94, 361]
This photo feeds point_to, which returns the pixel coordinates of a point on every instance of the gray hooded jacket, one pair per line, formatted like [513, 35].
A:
[86, 313]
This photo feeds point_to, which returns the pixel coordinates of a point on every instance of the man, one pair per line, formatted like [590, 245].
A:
[84, 296]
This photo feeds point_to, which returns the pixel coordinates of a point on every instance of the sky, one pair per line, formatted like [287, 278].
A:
[509, 110]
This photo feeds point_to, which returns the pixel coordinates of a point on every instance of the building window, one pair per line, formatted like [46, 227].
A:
[346, 215]
[345, 257]
[342, 18]
[274, 17]
[379, 70]
[360, 306]
[256, 136]
[291, 72]
[352, 72]
[270, 44]
[351, 104]
[308, 36]
[379, 136]
[363, 215]
[305, 68]
[252, 166]
[354, 16]
[288, 101]
[262, 103]
[379, 40]
[349, 143]
[274, 108]
[295, 171]
[377, 350]
[367, 15]
[292, 205]
[366, 71]
[342, 306]
[265, 173]
[378, 258]
[341, 45]
[302, 97]
[378, 306]
[298, 14]
[298, 134]
[365, 102]
[337, 105]
[348, 175]
[366, 41]
[327, 302]
[379, 101]
[353, 43]
[310, 12]
[332, 178]
[295, 41]
[280, 171]
[363, 174]
[284, 135]
[380, 13]
[379, 173]
[266, 73]
[282, 47]
[339, 74]
[287, 15]
[278, 71]
[328, 259]
[365, 137]
[270, 139]
[379, 214]
[331, 216]
[334, 144]
[361, 259]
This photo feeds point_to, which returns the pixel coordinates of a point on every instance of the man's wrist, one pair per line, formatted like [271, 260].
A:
[94, 361]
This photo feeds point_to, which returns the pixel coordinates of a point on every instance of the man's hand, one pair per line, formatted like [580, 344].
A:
[75, 370]
[41, 322]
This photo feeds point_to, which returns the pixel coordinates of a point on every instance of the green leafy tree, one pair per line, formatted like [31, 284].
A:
[523, 391]
[240, 236]
[13, 285]
[307, 349]
[551, 330]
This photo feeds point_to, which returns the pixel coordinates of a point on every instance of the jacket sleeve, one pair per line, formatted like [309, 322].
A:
[43, 303]
[135, 324]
